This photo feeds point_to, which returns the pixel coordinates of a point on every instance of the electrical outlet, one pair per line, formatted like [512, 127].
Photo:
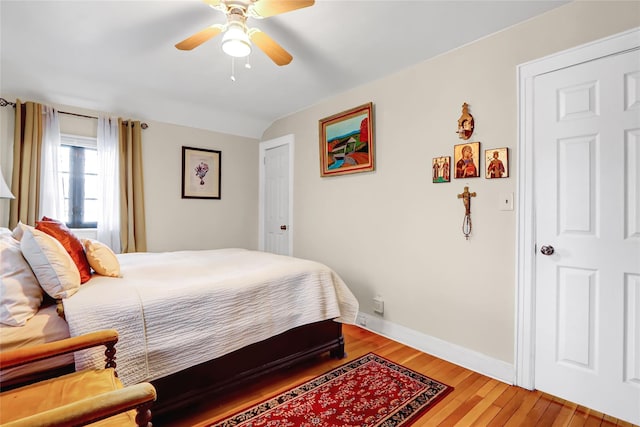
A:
[362, 320]
[378, 305]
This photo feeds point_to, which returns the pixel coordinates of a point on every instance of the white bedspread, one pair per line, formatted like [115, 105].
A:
[174, 310]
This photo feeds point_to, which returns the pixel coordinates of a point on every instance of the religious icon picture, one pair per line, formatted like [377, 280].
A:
[497, 163]
[441, 169]
[466, 159]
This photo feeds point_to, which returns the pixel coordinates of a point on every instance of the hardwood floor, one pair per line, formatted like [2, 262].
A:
[476, 401]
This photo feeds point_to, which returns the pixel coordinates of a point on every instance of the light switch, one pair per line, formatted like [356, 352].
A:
[506, 201]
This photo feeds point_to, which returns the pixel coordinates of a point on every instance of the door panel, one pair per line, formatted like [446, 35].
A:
[576, 317]
[632, 184]
[632, 336]
[577, 195]
[586, 155]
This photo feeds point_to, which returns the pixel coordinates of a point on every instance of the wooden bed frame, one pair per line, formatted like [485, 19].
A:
[201, 382]
[198, 383]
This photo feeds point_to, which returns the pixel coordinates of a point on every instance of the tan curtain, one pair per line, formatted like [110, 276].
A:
[25, 180]
[133, 234]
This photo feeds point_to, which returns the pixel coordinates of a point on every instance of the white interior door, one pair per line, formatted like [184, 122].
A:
[587, 287]
[276, 194]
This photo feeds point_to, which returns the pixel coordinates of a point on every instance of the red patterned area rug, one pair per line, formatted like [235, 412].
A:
[368, 392]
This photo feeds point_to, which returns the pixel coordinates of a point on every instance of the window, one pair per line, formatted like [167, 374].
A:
[79, 170]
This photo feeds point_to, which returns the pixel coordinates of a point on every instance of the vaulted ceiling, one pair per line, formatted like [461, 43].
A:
[119, 56]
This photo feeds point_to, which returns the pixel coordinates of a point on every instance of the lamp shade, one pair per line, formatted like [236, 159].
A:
[5, 193]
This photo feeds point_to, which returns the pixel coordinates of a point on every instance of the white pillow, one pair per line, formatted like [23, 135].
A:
[52, 265]
[19, 230]
[101, 258]
[20, 293]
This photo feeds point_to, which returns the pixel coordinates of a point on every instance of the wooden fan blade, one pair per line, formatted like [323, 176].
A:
[200, 37]
[270, 47]
[266, 8]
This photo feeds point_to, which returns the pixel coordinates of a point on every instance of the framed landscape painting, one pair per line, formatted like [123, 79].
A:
[346, 142]
[200, 173]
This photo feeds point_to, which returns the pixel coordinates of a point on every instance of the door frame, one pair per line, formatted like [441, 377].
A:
[289, 141]
[526, 221]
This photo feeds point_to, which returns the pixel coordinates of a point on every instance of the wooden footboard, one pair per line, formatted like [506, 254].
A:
[188, 387]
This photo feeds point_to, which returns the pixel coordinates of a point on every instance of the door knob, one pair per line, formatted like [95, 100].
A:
[547, 250]
[283, 227]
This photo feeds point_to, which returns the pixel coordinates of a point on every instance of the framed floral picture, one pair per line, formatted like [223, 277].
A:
[441, 167]
[346, 142]
[466, 159]
[201, 173]
[497, 163]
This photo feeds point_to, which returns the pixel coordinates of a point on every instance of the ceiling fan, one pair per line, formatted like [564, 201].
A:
[237, 37]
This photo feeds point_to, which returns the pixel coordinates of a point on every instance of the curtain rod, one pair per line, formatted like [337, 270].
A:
[4, 103]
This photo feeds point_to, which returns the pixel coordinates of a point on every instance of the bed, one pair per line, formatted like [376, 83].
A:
[195, 323]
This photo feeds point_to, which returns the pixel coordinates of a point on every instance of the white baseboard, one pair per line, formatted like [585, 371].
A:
[470, 359]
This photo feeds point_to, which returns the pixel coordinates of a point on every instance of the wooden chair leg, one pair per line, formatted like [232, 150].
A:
[143, 415]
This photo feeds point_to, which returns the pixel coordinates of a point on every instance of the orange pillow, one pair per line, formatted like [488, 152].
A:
[71, 243]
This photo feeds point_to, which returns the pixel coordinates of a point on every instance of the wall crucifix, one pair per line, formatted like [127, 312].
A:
[466, 222]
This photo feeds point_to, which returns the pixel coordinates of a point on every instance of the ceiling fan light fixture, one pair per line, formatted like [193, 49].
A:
[235, 42]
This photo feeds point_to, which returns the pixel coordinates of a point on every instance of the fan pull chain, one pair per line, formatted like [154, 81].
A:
[247, 65]
[233, 69]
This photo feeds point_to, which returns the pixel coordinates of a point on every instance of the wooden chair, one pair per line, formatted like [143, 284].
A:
[79, 398]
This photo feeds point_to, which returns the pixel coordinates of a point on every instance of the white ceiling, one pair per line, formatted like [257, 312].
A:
[119, 56]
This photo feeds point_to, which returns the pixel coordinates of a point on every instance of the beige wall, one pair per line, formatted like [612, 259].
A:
[174, 223]
[394, 233]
